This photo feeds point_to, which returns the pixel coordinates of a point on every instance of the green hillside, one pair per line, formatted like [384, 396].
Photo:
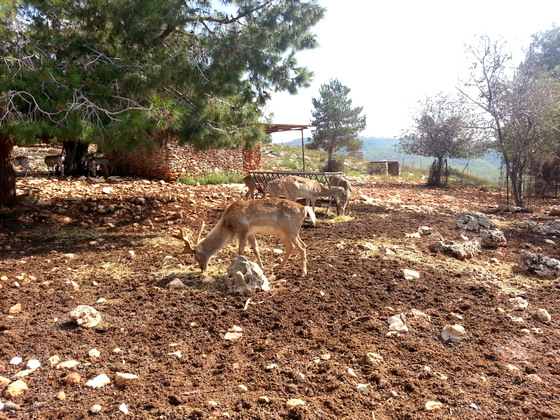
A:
[387, 149]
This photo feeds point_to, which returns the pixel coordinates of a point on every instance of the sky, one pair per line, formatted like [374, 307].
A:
[391, 54]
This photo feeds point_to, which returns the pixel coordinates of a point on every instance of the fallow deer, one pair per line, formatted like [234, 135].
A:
[242, 220]
[22, 161]
[294, 187]
[54, 163]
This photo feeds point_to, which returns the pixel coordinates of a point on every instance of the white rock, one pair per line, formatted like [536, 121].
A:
[363, 388]
[33, 364]
[123, 408]
[543, 315]
[300, 377]
[242, 388]
[95, 409]
[85, 316]
[397, 323]
[294, 402]
[16, 361]
[122, 379]
[518, 303]
[176, 284]
[232, 336]
[433, 406]
[94, 353]
[373, 359]
[352, 373]
[453, 333]
[99, 381]
[15, 389]
[411, 274]
[69, 364]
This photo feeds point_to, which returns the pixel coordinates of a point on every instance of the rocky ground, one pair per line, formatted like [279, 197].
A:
[319, 347]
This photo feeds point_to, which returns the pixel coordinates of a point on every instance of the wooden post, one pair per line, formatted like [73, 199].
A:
[302, 152]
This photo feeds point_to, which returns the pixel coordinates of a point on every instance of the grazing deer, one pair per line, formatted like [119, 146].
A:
[242, 220]
[252, 187]
[339, 181]
[106, 165]
[22, 161]
[55, 162]
[294, 187]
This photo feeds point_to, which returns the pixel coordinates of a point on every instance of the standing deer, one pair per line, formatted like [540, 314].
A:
[242, 220]
[339, 181]
[22, 161]
[294, 187]
[252, 187]
[55, 162]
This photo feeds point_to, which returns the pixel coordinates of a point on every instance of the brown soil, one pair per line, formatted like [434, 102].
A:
[305, 339]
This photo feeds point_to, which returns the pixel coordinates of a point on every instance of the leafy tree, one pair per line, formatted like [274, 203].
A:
[124, 74]
[518, 104]
[336, 122]
[442, 129]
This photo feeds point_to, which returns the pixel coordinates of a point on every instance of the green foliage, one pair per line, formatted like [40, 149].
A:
[337, 122]
[124, 73]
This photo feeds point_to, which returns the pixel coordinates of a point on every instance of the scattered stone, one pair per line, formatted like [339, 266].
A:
[16, 309]
[397, 323]
[433, 406]
[72, 286]
[363, 388]
[95, 409]
[176, 284]
[10, 406]
[99, 381]
[33, 364]
[245, 277]
[543, 315]
[411, 274]
[15, 389]
[53, 361]
[73, 378]
[554, 211]
[393, 394]
[85, 316]
[208, 280]
[242, 388]
[453, 333]
[300, 377]
[61, 395]
[463, 251]
[16, 361]
[544, 267]
[352, 373]
[264, 399]
[373, 359]
[473, 221]
[493, 238]
[294, 402]
[123, 408]
[4, 382]
[518, 303]
[69, 364]
[94, 353]
[212, 403]
[122, 379]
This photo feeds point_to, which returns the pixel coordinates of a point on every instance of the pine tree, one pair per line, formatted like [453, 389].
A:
[126, 73]
[337, 123]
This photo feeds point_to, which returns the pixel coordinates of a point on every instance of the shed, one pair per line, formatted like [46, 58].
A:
[385, 167]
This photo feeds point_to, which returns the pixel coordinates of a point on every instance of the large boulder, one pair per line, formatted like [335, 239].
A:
[492, 238]
[461, 251]
[473, 221]
[245, 277]
[544, 267]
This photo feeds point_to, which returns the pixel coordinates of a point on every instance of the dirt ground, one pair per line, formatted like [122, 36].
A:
[304, 345]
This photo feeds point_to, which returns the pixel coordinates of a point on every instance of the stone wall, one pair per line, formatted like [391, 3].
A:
[384, 167]
[170, 160]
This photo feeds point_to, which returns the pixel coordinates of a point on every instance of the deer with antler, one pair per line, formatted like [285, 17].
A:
[242, 220]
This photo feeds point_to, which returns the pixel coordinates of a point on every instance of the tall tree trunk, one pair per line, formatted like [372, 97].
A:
[7, 172]
[75, 157]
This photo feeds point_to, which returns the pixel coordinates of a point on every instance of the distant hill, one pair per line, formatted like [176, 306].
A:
[375, 148]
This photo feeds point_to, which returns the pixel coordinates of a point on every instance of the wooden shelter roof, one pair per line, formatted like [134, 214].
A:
[276, 128]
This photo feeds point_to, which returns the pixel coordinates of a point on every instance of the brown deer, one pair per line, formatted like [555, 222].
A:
[294, 187]
[22, 161]
[339, 181]
[242, 220]
[54, 163]
[252, 187]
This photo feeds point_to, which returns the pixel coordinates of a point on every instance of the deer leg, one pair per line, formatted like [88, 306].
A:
[253, 243]
[288, 244]
[302, 250]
